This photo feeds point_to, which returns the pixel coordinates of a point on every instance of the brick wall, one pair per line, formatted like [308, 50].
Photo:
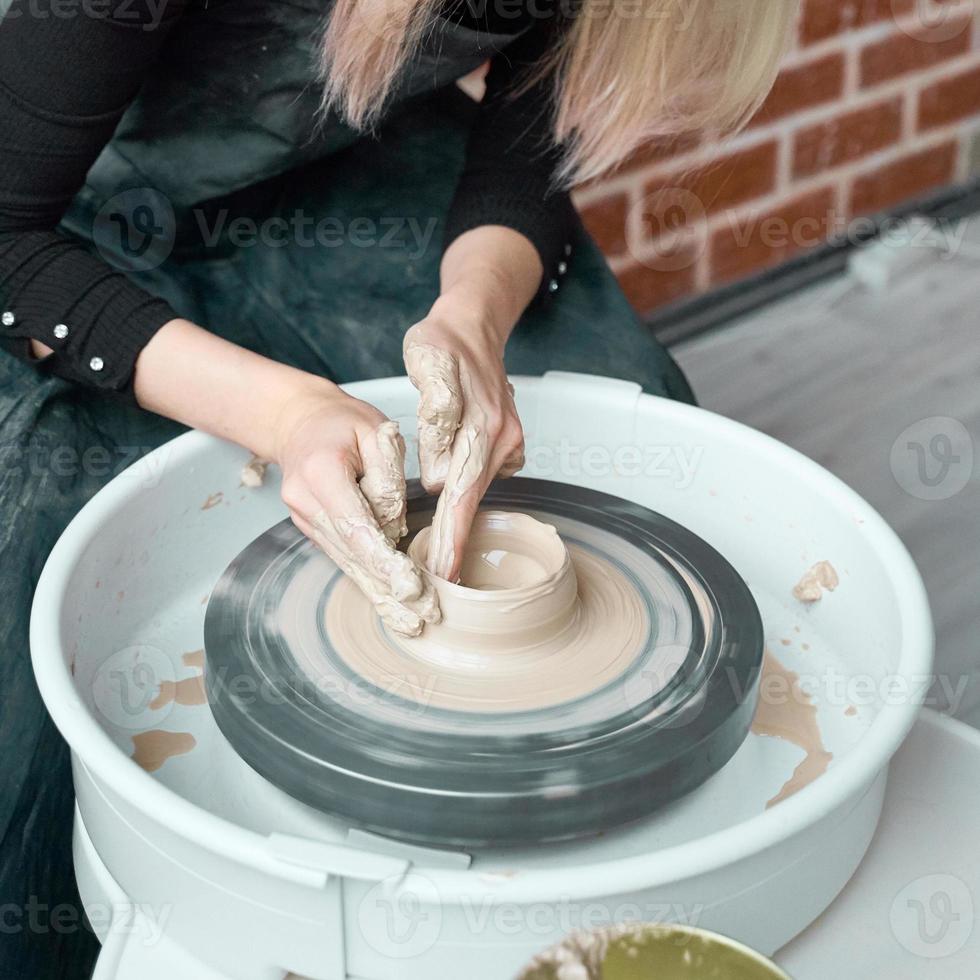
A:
[878, 102]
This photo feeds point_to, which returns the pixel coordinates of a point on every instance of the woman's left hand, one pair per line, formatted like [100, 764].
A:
[468, 428]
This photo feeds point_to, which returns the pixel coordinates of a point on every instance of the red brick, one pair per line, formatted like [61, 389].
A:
[847, 137]
[605, 220]
[753, 242]
[952, 98]
[825, 18]
[647, 288]
[905, 179]
[901, 54]
[803, 87]
[730, 180]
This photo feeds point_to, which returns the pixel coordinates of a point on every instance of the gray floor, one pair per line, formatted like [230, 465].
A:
[840, 372]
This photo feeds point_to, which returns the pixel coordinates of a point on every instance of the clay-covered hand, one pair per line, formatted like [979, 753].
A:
[343, 469]
[468, 427]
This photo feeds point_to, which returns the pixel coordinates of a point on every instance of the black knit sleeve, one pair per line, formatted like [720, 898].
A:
[67, 74]
[509, 175]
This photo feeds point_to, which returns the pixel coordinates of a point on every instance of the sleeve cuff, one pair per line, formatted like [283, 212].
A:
[546, 220]
[95, 319]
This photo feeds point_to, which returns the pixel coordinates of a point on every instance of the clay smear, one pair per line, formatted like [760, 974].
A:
[152, 749]
[786, 711]
[383, 483]
[435, 374]
[453, 444]
[253, 472]
[469, 460]
[189, 691]
[811, 587]
[361, 539]
[213, 500]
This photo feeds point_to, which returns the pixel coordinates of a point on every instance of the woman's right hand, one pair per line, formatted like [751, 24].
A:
[342, 460]
[343, 466]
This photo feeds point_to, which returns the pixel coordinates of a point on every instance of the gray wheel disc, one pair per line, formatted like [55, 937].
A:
[464, 778]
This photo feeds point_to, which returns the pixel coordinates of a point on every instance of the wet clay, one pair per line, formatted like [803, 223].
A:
[811, 587]
[253, 472]
[383, 483]
[189, 691]
[361, 539]
[453, 443]
[532, 623]
[468, 462]
[786, 711]
[213, 500]
[152, 749]
[435, 374]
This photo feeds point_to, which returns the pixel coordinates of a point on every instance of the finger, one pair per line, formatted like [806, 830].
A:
[514, 463]
[385, 574]
[383, 483]
[395, 614]
[436, 375]
[459, 501]
[349, 534]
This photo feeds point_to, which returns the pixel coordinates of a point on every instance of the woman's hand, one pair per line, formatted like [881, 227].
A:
[469, 430]
[343, 467]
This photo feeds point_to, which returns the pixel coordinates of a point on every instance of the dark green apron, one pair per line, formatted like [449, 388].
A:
[305, 243]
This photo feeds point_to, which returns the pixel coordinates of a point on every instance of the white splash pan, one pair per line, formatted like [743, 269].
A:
[203, 869]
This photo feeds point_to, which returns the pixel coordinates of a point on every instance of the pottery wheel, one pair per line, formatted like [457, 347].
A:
[433, 756]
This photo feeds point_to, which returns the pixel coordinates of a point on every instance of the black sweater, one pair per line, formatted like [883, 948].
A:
[65, 84]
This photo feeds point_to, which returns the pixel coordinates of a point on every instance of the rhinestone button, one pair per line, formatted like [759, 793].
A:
[61, 331]
[568, 249]
[96, 364]
[553, 286]
[8, 319]
[562, 268]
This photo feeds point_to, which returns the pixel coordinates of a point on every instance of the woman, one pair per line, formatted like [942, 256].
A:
[190, 225]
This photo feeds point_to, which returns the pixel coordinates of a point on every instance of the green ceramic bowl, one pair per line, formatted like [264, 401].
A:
[664, 952]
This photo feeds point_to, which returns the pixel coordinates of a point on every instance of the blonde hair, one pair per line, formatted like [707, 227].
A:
[624, 73]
